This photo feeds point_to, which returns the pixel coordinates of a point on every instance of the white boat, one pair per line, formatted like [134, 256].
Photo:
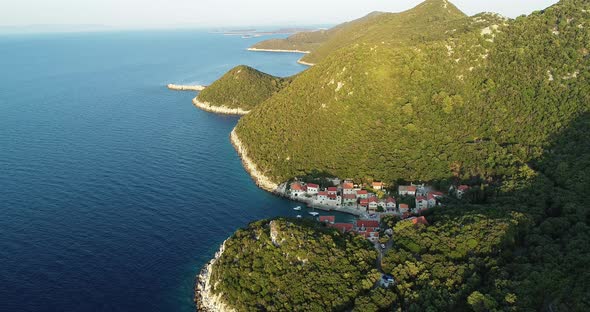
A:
[299, 217]
[315, 214]
[297, 208]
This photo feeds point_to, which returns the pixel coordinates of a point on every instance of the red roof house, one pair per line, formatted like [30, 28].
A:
[298, 187]
[342, 227]
[347, 186]
[367, 223]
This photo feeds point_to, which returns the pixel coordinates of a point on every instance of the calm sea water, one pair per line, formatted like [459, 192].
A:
[115, 191]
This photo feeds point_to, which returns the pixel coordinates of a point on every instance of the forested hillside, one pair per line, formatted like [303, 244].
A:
[479, 103]
[503, 105]
[242, 87]
[293, 265]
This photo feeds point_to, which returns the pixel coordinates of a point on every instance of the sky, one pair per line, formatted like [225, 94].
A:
[224, 13]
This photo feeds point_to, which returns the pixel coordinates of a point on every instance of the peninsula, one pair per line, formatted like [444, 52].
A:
[176, 87]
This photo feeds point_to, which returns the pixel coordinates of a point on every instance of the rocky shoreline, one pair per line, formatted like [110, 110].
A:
[259, 178]
[219, 109]
[305, 63]
[285, 51]
[205, 300]
[278, 50]
[176, 87]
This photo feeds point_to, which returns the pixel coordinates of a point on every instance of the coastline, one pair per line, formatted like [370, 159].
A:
[205, 300]
[259, 178]
[285, 51]
[305, 63]
[219, 109]
[278, 50]
[176, 87]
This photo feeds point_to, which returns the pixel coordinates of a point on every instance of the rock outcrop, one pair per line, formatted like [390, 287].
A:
[259, 178]
[219, 109]
[205, 300]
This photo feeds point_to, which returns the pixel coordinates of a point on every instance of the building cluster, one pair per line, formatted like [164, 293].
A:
[348, 194]
[369, 229]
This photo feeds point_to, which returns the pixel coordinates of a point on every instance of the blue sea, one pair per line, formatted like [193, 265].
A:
[115, 191]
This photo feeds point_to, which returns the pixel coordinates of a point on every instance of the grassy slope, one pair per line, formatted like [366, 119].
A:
[242, 87]
[421, 23]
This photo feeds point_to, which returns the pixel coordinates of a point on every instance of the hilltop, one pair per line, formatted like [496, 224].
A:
[241, 89]
[422, 23]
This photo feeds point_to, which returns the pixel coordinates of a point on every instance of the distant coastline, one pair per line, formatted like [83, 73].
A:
[285, 51]
[278, 50]
[176, 87]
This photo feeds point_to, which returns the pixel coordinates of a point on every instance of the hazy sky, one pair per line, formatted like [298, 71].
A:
[206, 13]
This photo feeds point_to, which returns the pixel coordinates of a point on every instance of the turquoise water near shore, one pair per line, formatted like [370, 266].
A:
[114, 191]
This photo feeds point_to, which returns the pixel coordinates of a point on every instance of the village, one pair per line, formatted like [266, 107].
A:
[370, 203]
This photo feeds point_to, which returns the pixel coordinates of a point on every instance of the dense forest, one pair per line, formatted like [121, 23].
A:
[503, 105]
[242, 87]
[482, 102]
[294, 265]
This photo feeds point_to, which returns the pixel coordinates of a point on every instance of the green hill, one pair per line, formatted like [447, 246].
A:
[293, 265]
[242, 87]
[424, 22]
[477, 103]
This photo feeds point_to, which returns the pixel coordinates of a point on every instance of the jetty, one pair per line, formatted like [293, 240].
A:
[176, 87]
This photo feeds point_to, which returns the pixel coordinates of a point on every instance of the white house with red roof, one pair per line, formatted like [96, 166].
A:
[332, 190]
[407, 190]
[362, 194]
[404, 208]
[348, 188]
[312, 188]
[421, 203]
[322, 196]
[298, 189]
[364, 202]
[377, 186]
[349, 199]
[390, 204]
[373, 204]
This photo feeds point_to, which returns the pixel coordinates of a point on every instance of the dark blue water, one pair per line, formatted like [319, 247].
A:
[114, 191]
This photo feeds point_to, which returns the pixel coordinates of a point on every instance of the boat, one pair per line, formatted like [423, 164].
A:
[297, 208]
[315, 214]
[299, 217]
